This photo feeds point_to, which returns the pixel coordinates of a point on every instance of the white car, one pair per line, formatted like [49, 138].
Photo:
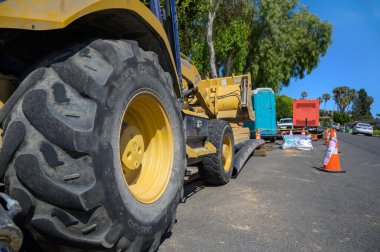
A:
[285, 123]
[336, 126]
[362, 128]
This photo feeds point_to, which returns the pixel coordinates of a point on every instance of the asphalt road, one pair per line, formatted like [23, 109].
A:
[281, 203]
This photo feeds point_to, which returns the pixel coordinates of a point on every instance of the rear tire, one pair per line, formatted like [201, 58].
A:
[214, 169]
[61, 150]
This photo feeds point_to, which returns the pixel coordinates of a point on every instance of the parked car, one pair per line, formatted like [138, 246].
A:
[362, 128]
[336, 126]
[285, 123]
[316, 130]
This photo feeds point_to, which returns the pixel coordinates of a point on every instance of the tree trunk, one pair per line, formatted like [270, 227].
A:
[229, 62]
[210, 43]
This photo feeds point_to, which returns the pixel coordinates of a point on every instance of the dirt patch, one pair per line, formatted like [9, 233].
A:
[293, 152]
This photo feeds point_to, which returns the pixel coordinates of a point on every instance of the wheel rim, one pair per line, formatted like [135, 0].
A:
[146, 147]
[227, 152]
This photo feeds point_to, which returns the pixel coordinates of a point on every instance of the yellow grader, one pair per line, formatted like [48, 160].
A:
[100, 116]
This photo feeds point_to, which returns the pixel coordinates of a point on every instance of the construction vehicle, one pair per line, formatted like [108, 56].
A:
[100, 115]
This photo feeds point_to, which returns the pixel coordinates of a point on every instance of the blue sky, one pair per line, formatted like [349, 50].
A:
[353, 59]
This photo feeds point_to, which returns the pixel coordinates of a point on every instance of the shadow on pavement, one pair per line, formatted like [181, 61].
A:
[192, 188]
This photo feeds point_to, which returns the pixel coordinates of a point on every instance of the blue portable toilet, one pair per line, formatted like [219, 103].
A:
[264, 105]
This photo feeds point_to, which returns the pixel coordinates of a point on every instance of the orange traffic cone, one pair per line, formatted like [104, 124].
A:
[258, 136]
[327, 136]
[303, 132]
[314, 137]
[331, 162]
[333, 134]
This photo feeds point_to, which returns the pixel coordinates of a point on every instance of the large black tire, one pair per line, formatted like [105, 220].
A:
[211, 169]
[61, 150]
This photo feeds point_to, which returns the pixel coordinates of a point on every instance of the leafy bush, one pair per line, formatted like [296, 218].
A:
[284, 107]
[341, 118]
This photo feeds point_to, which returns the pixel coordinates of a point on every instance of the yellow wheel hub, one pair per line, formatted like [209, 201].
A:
[146, 147]
[227, 152]
[134, 148]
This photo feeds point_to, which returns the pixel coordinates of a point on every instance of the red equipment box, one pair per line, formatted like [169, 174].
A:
[305, 113]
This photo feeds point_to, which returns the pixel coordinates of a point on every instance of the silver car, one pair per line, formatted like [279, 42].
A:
[285, 123]
[336, 126]
[362, 128]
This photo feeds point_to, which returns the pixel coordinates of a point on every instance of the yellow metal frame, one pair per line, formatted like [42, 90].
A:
[192, 113]
[189, 71]
[50, 14]
[221, 98]
[208, 148]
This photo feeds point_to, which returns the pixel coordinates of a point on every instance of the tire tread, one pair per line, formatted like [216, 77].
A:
[210, 169]
[52, 171]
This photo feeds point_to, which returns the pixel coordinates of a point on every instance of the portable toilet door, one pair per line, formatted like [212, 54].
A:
[265, 111]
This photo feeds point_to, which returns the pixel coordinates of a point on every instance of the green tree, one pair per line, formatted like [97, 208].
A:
[341, 118]
[320, 99]
[274, 40]
[213, 9]
[215, 33]
[284, 107]
[343, 96]
[286, 42]
[303, 95]
[361, 108]
[326, 97]
[233, 49]
[192, 17]
[233, 28]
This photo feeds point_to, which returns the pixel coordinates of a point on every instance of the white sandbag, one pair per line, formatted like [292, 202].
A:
[297, 142]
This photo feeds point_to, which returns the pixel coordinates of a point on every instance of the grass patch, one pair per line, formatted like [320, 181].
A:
[376, 132]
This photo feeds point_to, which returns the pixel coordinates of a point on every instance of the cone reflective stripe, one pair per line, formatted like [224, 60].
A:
[330, 150]
[331, 163]
[258, 136]
[303, 131]
[327, 136]
[334, 134]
